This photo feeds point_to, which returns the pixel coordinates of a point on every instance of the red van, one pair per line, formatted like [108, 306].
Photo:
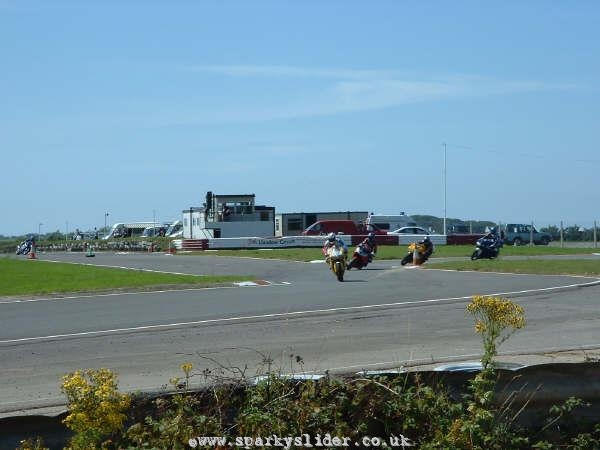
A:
[323, 227]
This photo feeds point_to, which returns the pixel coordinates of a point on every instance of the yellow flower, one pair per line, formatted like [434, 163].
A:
[94, 402]
[479, 327]
[187, 368]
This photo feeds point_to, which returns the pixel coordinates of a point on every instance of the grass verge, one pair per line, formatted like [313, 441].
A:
[530, 266]
[23, 277]
[394, 252]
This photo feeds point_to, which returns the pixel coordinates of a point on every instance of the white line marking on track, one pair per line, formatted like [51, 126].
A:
[124, 268]
[162, 291]
[290, 314]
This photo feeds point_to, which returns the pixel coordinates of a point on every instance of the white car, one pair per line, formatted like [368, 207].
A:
[409, 230]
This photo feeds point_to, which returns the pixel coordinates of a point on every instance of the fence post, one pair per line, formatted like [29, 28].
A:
[595, 240]
[562, 243]
[531, 235]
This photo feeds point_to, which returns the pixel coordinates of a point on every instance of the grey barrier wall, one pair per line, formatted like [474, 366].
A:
[539, 387]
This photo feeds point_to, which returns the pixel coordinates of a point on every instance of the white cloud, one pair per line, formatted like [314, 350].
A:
[312, 92]
[290, 71]
[352, 90]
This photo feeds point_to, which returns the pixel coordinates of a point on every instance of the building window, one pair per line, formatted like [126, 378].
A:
[295, 225]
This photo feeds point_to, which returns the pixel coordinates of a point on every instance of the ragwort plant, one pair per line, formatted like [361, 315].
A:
[485, 425]
[96, 408]
[496, 319]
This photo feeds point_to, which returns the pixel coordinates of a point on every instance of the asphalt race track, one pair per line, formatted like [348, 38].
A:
[381, 317]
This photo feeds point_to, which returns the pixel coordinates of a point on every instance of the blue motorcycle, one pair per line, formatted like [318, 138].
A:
[25, 247]
[487, 247]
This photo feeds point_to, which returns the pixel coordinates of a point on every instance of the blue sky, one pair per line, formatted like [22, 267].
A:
[138, 108]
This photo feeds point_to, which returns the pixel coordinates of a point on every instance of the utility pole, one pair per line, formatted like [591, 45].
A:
[445, 228]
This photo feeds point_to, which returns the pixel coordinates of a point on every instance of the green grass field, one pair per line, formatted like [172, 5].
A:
[534, 264]
[531, 266]
[396, 252]
[25, 277]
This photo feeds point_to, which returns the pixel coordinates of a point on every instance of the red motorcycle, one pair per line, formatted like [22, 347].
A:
[363, 255]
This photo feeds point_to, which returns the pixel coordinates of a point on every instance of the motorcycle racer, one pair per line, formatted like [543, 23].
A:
[370, 243]
[332, 240]
[364, 253]
[429, 248]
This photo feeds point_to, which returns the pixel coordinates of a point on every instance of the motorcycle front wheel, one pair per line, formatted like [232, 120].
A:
[408, 258]
[476, 254]
[339, 271]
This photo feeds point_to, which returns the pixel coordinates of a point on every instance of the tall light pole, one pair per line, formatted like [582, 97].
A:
[40, 229]
[153, 223]
[105, 221]
[445, 229]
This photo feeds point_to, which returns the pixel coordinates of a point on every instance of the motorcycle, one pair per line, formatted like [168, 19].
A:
[486, 248]
[336, 260]
[420, 258]
[25, 247]
[362, 256]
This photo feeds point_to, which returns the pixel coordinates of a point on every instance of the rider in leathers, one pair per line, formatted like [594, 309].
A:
[333, 239]
[428, 247]
[370, 245]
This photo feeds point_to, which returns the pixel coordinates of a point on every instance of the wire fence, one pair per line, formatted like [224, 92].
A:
[567, 234]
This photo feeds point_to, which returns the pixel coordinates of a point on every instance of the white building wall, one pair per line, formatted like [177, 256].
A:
[244, 229]
[195, 227]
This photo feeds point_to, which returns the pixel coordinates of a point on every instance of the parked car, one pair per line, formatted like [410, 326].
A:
[409, 230]
[520, 234]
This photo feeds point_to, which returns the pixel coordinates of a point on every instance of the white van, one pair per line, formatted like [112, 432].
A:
[390, 222]
[155, 231]
[175, 229]
[132, 229]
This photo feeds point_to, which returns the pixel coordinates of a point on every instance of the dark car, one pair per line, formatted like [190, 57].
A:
[520, 234]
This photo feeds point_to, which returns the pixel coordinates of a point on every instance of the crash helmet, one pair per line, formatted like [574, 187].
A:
[331, 237]
[371, 236]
